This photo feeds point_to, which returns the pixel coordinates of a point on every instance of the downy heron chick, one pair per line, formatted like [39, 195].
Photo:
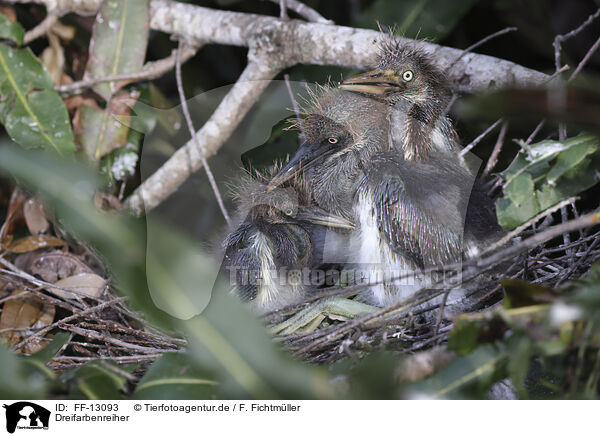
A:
[277, 239]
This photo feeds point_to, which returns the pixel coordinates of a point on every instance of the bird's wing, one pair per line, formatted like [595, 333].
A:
[410, 231]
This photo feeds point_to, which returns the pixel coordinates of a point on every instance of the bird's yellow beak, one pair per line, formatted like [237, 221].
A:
[321, 217]
[375, 82]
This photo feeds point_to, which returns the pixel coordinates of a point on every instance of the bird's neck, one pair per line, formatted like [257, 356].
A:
[422, 117]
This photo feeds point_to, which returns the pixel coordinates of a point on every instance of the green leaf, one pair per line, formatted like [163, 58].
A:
[466, 376]
[94, 381]
[33, 114]
[17, 381]
[11, 30]
[176, 377]
[546, 173]
[119, 42]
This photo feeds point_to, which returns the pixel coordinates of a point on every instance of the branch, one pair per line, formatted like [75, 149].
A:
[250, 85]
[311, 43]
[151, 70]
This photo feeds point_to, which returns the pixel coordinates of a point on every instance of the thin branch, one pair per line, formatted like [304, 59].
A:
[477, 140]
[41, 29]
[301, 9]
[283, 10]
[151, 70]
[483, 41]
[585, 60]
[497, 148]
[234, 106]
[190, 124]
[559, 39]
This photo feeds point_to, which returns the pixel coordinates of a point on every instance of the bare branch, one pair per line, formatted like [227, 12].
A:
[151, 70]
[496, 151]
[304, 11]
[41, 29]
[481, 42]
[210, 137]
[585, 59]
[477, 140]
[190, 124]
[312, 43]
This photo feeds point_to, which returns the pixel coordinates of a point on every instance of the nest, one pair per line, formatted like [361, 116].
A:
[38, 301]
[422, 322]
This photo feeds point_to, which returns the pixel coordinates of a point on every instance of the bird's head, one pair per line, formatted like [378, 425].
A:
[321, 138]
[404, 72]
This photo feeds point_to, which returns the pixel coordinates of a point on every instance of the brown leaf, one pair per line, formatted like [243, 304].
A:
[10, 13]
[99, 131]
[51, 266]
[31, 243]
[14, 216]
[53, 58]
[84, 284]
[24, 312]
[35, 216]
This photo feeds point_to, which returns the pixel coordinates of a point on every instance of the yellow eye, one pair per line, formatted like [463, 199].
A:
[333, 140]
[407, 76]
[289, 212]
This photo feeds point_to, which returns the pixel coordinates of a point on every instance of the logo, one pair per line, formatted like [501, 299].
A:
[26, 415]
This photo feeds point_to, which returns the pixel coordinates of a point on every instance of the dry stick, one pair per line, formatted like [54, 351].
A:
[119, 359]
[481, 42]
[151, 70]
[477, 140]
[190, 124]
[105, 338]
[283, 10]
[41, 29]
[496, 152]
[481, 266]
[524, 226]
[65, 320]
[585, 59]
[562, 38]
[301, 9]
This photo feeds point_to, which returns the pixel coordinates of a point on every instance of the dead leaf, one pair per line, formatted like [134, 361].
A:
[21, 313]
[35, 217]
[84, 284]
[64, 32]
[51, 266]
[31, 243]
[10, 13]
[98, 131]
[14, 216]
[53, 58]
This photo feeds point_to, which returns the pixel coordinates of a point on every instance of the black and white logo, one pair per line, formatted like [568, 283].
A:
[26, 415]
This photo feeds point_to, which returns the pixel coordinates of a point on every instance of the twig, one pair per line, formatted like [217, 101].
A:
[477, 140]
[481, 42]
[65, 320]
[301, 9]
[496, 151]
[524, 226]
[559, 39]
[585, 59]
[283, 10]
[151, 70]
[41, 29]
[190, 124]
[535, 132]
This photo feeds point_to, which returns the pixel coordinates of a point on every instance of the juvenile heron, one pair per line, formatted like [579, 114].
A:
[417, 92]
[279, 235]
[409, 214]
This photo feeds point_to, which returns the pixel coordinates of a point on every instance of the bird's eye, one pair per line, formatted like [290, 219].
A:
[333, 140]
[289, 212]
[407, 76]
